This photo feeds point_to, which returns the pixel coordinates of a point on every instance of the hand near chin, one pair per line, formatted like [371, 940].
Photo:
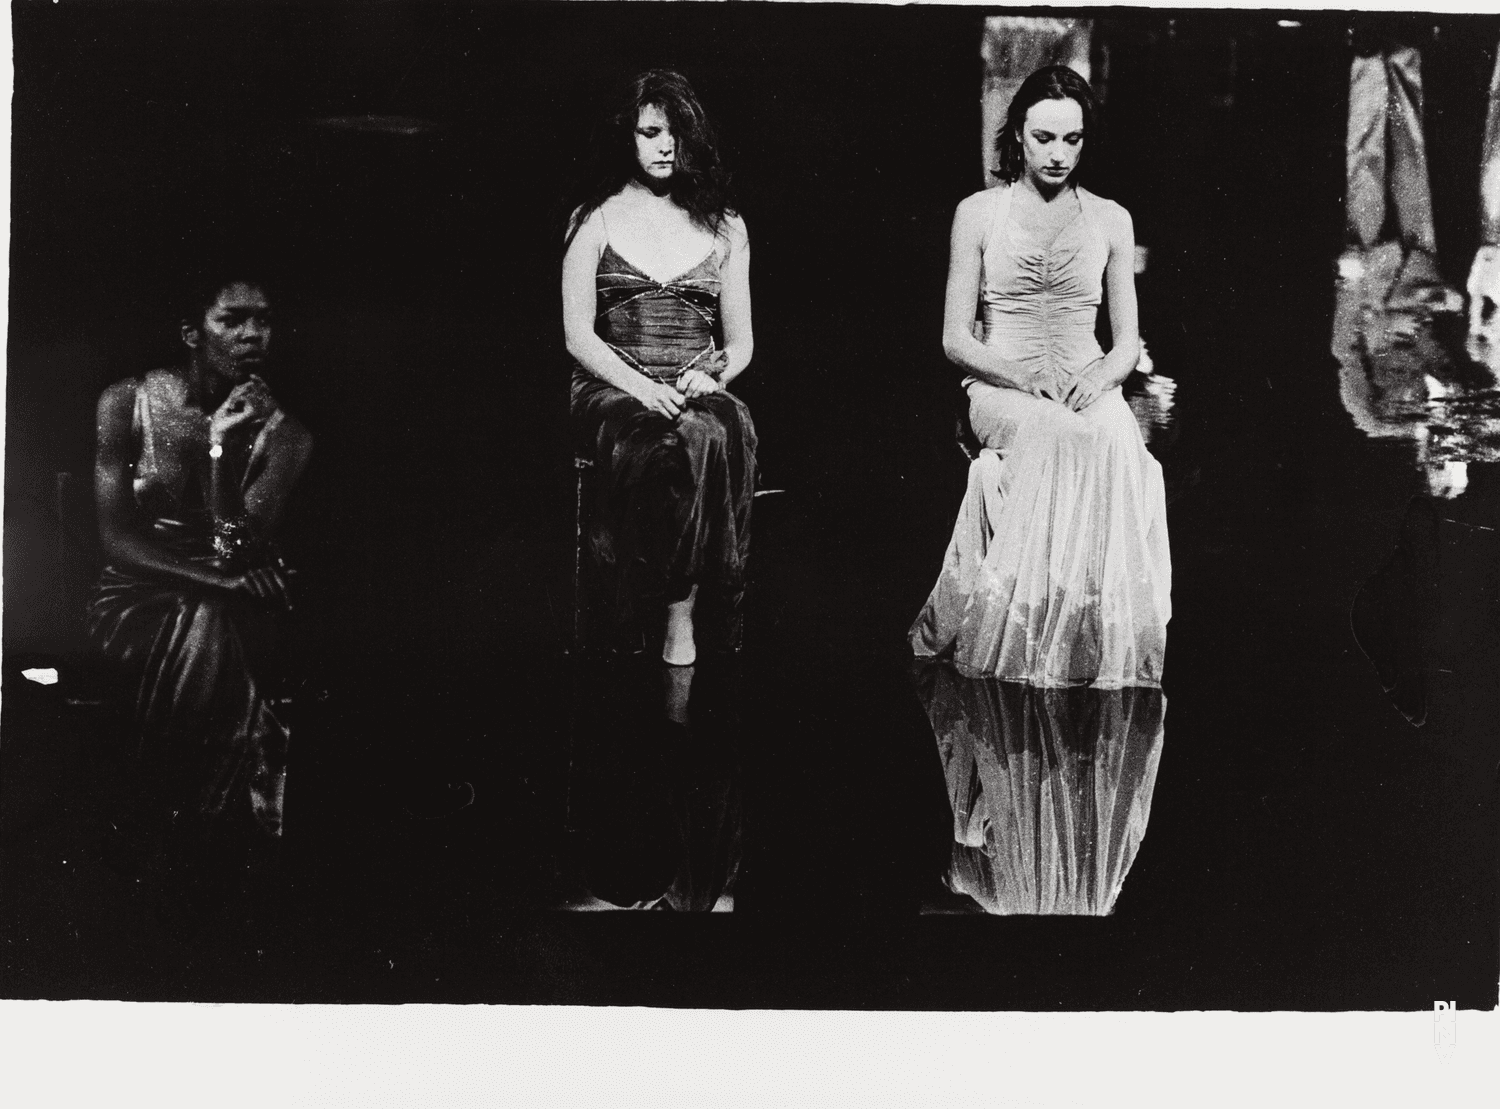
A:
[248, 402]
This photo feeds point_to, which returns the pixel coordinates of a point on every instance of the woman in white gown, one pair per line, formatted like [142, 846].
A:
[1058, 573]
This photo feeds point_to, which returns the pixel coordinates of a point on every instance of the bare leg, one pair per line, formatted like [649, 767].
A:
[679, 649]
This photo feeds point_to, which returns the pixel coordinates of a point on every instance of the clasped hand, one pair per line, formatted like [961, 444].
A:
[249, 401]
[701, 378]
[269, 585]
[696, 381]
[1083, 390]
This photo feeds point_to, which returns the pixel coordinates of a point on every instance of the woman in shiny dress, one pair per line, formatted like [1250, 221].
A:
[657, 267]
[194, 465]
[1058, 572]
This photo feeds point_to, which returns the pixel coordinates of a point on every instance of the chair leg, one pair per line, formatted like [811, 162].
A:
[578, 562]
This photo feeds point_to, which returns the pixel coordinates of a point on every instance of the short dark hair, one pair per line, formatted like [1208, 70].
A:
[700, 184]
[201, 289]
[1053, 82]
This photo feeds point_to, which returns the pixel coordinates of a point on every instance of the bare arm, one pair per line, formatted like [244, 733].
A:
[1124, 321]
[235, 424]
[580, 264]
[125, 542]
[734, 302]
[287, 451]
[1119, 280]
[965, 247]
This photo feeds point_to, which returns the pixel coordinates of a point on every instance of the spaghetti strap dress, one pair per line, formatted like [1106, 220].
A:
[673, 497]
[1058, 572]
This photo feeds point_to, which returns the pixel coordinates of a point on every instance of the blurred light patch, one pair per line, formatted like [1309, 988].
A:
[1288, 23]
[42, 675]
[374, 124]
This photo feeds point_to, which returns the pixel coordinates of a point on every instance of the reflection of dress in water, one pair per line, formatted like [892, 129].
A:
[655, 807]
[1051, 789]
[210, 743]
[1058, 571]
[674, 495]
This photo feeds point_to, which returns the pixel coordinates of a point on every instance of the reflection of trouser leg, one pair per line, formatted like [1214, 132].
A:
[1364, 151]
[1385, 152]
[1484, 276]
[1489, 166]
[1410, 187]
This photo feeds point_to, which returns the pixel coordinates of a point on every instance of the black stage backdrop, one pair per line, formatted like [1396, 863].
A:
[401, 168]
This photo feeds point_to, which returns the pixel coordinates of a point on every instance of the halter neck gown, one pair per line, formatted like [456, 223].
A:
[673, 496]
[1058, 572]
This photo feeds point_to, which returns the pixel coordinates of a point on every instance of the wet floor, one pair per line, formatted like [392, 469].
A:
[474, 814]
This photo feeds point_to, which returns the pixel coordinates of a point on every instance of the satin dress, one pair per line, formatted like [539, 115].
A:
[673, 496]
[1058, 572]
[210, 741]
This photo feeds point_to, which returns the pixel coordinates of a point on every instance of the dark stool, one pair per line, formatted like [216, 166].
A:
[581, 468]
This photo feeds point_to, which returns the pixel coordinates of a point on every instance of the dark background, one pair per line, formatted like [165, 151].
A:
[1307, 849]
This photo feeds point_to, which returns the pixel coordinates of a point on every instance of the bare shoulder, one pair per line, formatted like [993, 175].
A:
[734, 233]
[589, 231]
[979, 205]
[112, 428]
[1118, 225]
[291, 434]
[119, 398]
[973, 216]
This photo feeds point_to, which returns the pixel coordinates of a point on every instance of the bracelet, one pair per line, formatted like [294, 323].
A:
[236, 537]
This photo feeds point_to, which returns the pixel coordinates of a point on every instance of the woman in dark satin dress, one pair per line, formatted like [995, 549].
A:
[657, 267]
[194, 466]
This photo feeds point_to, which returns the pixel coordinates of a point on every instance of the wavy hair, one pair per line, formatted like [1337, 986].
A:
[699, 183]
[1053, 82]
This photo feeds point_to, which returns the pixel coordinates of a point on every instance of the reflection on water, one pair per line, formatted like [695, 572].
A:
[1050, 789]
[1152, 398]
[1407, 367]
[655, 807]
[1413, 366]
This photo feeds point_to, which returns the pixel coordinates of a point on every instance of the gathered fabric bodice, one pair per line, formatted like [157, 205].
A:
[659, 328]
[1040, 299]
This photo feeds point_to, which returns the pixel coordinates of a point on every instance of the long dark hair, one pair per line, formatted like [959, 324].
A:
[1053, 82]
[699, 184]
